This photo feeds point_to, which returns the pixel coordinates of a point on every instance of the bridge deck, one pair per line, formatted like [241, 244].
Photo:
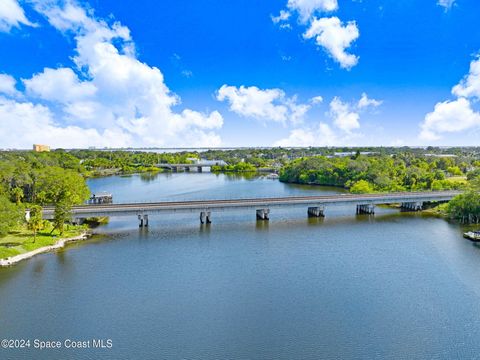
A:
[232, 204]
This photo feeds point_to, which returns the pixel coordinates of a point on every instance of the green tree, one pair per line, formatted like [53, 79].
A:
[35, 222]
[56, 184]
[361, 187]
[454, 170]
[10, 215]
[18, 195]
[61, 215]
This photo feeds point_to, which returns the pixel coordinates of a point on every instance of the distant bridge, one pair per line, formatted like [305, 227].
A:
[187, 167]
[316, 205]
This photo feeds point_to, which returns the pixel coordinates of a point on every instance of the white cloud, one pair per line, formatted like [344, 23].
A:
[322, 135]
[456, 115]
[7, 85]
[283, 16]
[61, 85]
[328, 32]
[12, 15]
[316, 100]
[365, 102]
[268, 104]
[447, 4]
[343, 117]
[110, 92]
[24, 123]
[449, 117]
[335, 38]
[470, 84]
[306, 8]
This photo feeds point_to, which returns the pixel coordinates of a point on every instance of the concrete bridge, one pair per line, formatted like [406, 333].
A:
[188, 167]
[315, 205]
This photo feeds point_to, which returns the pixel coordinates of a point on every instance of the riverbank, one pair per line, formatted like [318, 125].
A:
[59, 244]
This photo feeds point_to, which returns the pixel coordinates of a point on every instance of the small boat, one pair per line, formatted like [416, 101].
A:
[273, 176]
[472, 235]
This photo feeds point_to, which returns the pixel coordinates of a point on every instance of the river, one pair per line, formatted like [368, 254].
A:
[394, 285]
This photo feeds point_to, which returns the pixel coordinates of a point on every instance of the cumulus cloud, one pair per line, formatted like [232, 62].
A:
[7, 85]
[457, 115]
[316, 100]
[365, 102]
[335, 38]
[322, 135]
[328, 32]
[447, 4]
[306, 8]
[469, 86]
[110, 91]
[61, 85]
[24, 123]
[12, 15]
[448, 117]
[283, 16]
[267, 104]
[345, 118]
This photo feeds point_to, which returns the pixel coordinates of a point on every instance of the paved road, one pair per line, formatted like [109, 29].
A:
[201, 205]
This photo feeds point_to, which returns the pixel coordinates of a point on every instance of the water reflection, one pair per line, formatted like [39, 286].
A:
[262, 225]
[149, 176]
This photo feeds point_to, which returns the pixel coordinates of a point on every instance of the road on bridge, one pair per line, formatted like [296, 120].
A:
[83, 211]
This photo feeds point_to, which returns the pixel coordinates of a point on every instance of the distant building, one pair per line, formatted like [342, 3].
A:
[41, 148]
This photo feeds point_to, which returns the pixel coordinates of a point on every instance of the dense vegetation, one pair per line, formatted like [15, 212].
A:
[369, 173]
[30, 180]
[466, 207]
[98, 163]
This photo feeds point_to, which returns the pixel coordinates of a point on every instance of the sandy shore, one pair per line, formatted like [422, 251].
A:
[58, 245]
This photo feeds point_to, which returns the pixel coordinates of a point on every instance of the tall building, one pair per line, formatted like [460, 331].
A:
[41, 148]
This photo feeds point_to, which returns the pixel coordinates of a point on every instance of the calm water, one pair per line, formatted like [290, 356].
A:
[401, 286]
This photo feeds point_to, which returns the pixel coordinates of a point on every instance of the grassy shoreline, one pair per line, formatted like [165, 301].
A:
[21, 241]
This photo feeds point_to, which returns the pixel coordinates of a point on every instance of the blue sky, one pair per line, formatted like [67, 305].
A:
[224, 73]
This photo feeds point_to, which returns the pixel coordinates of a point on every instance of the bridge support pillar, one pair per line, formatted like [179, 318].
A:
[412, 206]
[316, 211]
[205, 217]
[368, 209]
[142, 220]
[263, 214]
[187, 168]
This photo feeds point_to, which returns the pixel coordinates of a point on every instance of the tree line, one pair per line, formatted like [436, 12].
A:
[370, 173]
[32, 180]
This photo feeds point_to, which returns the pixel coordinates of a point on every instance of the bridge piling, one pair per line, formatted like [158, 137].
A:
[412, 206]
[205, 217]
[368, 209]
[316, 211]
[262, 214]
